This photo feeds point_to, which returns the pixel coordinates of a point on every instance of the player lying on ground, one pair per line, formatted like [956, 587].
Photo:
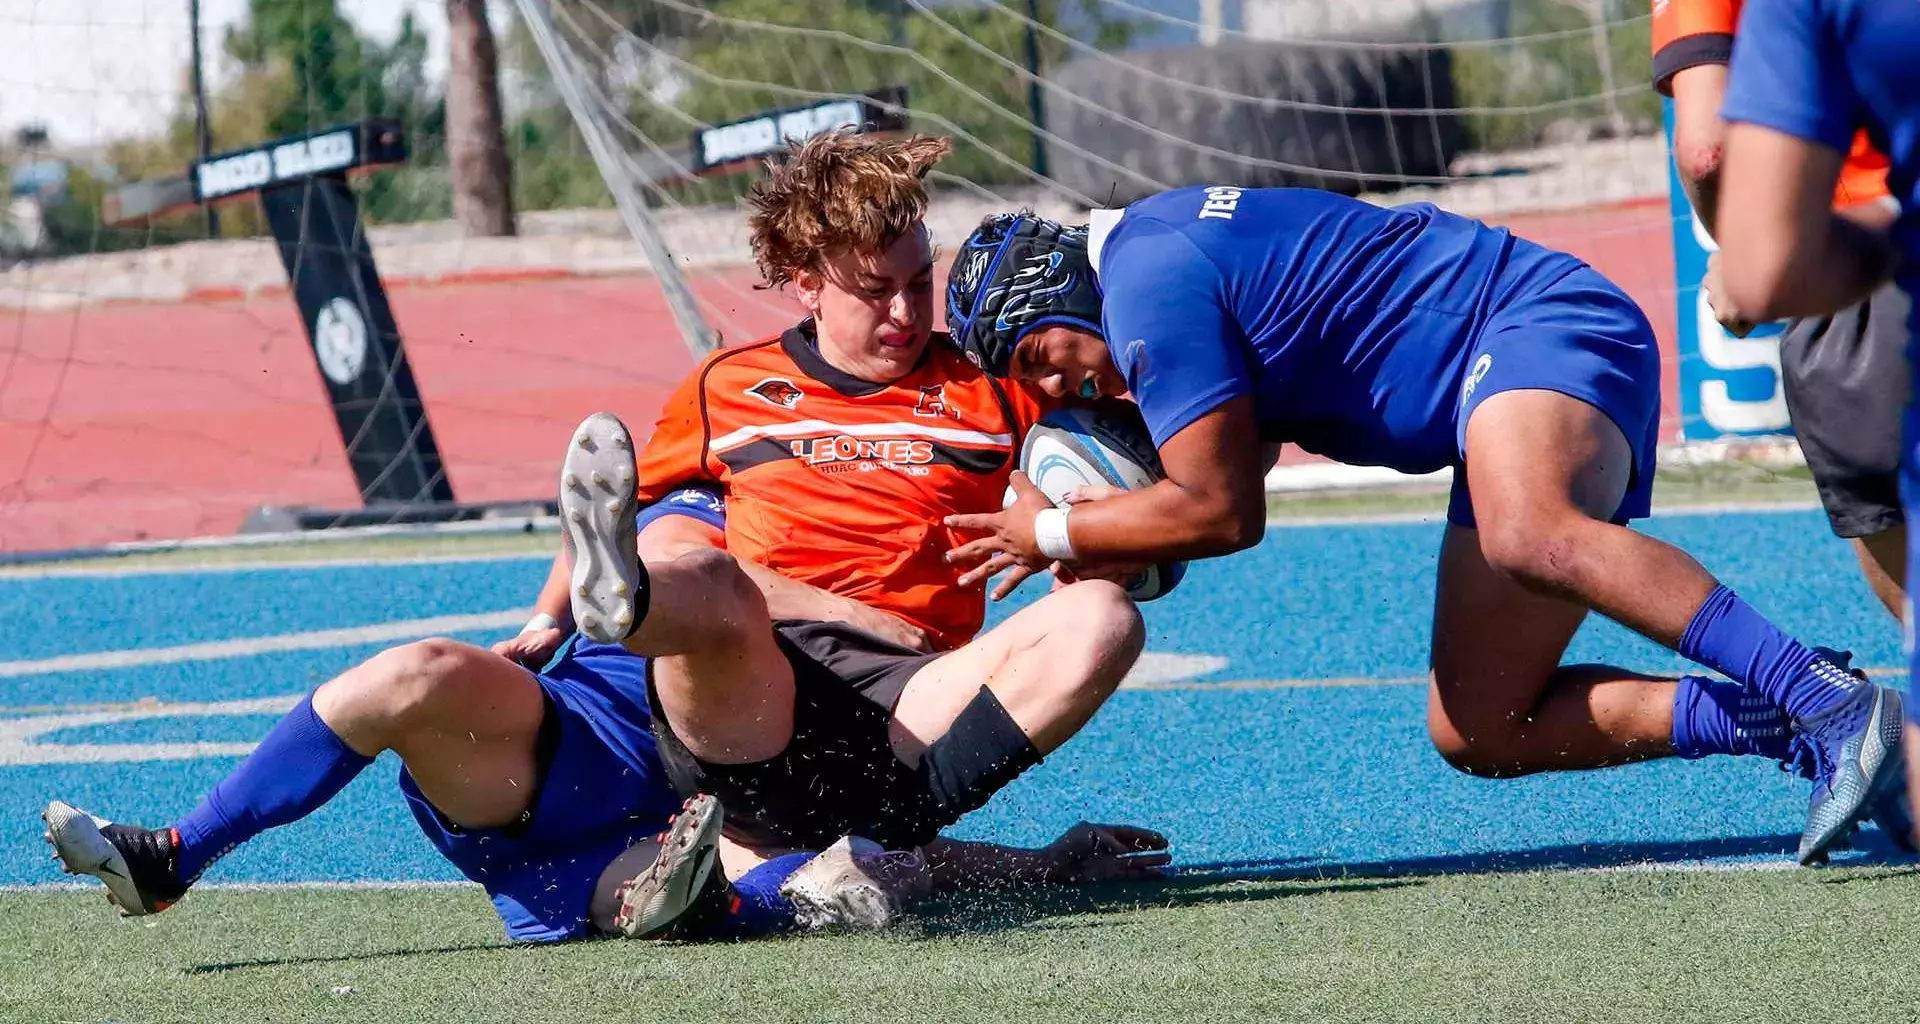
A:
[842, 445]
[1416, 339]
[426, 699]
[1806, 79]
[1844, 372]
[542, 786]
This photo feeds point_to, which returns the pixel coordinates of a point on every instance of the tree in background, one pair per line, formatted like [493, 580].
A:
[303, 66]
[970, 71]
[678, 65]
[1572, 67]
[552, 168]
[476, 142]
[299, 65]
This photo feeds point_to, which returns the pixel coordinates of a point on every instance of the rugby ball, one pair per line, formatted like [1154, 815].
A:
[1103, 445]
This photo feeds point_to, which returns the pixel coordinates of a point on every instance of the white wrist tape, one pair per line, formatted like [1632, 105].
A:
[539, 622]
[1050, 534]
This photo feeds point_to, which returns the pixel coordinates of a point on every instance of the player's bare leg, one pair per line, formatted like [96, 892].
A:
[719, 674]
[463, 720]
[1501, 704]
[1883, 561]
[1510, 597]
[1546, 472]
[1051, 665]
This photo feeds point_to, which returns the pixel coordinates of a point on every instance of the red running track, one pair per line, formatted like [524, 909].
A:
[144, 421]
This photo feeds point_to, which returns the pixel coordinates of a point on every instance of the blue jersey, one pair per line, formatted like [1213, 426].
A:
[1352, 327]
[1820, 69]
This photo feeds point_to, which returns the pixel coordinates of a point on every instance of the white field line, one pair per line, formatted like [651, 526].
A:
[107, 570]
[21, 735]
[406, 629]
[1153, 669]
[1439, 515]
[103, 556]
[519, 524]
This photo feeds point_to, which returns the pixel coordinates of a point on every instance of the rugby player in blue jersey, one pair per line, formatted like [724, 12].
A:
[1806, 75]
[1414, 339]
[508, 764]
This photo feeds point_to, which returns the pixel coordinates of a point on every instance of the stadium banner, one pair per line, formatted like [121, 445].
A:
[383, 424]
[725, 146]
[1729, 387]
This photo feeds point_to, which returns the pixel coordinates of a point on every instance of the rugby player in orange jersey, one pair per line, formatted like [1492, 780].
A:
[534, 769]
[1844, 374]
[836, 688]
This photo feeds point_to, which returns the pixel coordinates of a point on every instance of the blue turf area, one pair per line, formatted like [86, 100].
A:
[1311, 770]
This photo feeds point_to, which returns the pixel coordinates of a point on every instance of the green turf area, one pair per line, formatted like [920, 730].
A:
[1724, 483]
[1616, 948]
[1729, 483]
[322, 548]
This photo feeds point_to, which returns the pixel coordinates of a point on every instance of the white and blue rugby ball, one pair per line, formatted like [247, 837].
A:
[1106, 445]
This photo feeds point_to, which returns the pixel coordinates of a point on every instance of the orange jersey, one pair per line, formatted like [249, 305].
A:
[1689, 33]
[841, 483]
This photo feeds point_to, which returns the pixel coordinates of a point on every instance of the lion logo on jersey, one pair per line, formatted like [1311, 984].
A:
[777, 391]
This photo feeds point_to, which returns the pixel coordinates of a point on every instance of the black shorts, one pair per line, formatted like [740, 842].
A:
[1845, 378]
[838, 774]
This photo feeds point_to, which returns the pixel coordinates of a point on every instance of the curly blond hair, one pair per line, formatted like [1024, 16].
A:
[838, 191]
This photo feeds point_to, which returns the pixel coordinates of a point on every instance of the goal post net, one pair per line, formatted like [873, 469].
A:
[156, 383]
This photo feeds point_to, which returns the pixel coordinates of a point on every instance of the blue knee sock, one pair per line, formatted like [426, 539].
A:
[299, 766]
[1712, 716]
[1728, 636]
[761, 910]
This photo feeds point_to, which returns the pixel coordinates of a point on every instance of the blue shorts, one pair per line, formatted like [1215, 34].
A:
[703, 503]
[600, 789]
[1571, 331]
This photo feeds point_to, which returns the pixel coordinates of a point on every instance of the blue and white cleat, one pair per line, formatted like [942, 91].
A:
[597, 503]
[1893, 812]
[1854, 748]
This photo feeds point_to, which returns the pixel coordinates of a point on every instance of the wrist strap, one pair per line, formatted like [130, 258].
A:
[540, 621]
[1050, 534]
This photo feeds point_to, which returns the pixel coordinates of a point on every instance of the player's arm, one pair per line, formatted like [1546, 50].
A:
[683, 521]
[1791, 105]
[1084, 853]
[1213, 502]
[1183, 357]
[792, 599]
[1692, 43]
[1700, 137]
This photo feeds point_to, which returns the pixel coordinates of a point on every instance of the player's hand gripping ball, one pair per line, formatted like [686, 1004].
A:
[1092, 448]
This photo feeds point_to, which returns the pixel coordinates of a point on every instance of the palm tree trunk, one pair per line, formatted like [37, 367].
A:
[476, 140]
